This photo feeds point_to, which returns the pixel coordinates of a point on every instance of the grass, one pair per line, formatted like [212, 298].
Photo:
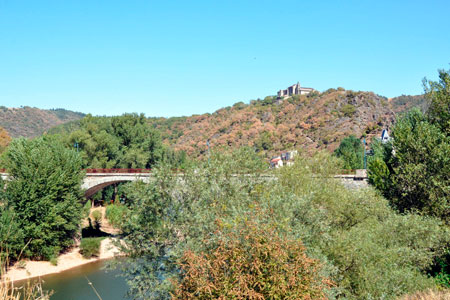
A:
[428, 295]
[90, 247]
[29, 291]
[115, 213]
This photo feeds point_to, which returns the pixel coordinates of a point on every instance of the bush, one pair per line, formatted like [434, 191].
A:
[97, 215]
[97, 218]
[115, 213]
[428, 295]
[348, 110]
[90, 247]
[87, 208]
[365, 247]
[252, 262]
[372, 251]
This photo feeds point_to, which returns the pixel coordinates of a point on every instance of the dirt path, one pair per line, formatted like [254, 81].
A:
[105, 226]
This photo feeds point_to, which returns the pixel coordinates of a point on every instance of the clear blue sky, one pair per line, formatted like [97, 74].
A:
[172, 58]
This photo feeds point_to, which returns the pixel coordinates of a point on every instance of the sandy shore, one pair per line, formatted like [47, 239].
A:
[65, 261]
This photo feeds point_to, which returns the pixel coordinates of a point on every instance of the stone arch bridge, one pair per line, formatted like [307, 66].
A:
[97, 179]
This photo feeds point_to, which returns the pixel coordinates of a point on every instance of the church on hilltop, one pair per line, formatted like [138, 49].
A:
[295, 89]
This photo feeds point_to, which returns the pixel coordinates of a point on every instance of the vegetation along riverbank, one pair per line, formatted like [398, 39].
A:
[202, 228]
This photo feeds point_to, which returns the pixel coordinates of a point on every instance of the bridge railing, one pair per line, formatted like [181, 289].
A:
[121, 170]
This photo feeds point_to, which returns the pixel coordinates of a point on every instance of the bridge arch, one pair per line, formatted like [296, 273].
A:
[94, 182]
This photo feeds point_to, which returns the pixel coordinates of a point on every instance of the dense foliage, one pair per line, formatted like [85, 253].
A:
[5, 139]
[412, 171]
[351, 151]
[367, 249]
[270, 125]
[115, 213]
[125, 141]
[90, 247]
[43, 196]
[253, 262]
[438, 95]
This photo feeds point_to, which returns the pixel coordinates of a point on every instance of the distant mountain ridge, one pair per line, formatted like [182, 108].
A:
[31, 121]
[309, 122]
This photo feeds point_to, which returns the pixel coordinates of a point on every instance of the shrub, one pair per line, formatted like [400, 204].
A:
[348, 110]
[115, 213]
[54, 260]
[90, 247]
[365, 247]
[253, 262]
[373, 251]
[97, 215]
[428, 295]
[87, 208]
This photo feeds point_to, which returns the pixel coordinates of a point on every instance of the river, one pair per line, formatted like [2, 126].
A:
[73, 285]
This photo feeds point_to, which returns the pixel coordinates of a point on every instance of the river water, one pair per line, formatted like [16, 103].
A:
[73, 285]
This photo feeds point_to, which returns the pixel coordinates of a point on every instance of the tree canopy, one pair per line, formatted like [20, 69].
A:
[43, 195]
[413, 169]
[125, 141]
[351, 151]
[179, 231]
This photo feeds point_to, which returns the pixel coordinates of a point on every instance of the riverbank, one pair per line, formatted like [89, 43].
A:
[66, 261]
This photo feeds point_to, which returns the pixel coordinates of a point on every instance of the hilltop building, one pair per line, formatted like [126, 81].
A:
[295, 89]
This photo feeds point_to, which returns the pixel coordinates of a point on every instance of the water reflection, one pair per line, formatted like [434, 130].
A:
[72, 284]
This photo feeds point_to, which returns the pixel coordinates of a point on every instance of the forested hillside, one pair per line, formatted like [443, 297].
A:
[31, 121]
[311, 122]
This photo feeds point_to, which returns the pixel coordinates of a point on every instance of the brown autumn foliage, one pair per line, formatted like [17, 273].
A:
[428, 295]
[253, 262]
[31, 121]
[310, 122]
[5, 139]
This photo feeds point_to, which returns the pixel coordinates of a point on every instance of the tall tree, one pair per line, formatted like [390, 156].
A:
[45, 194]
[438, 95]
[413, 172]
[125, 141]
[351, 152]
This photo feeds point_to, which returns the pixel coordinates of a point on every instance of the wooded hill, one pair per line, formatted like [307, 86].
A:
[31, 121]
[309, 122]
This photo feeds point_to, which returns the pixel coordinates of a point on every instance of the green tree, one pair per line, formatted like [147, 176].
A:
[364, 246]
[44, 193]
[351, 151]
[413, 173]
[125, 141]
[438, 96]
[11, 235]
